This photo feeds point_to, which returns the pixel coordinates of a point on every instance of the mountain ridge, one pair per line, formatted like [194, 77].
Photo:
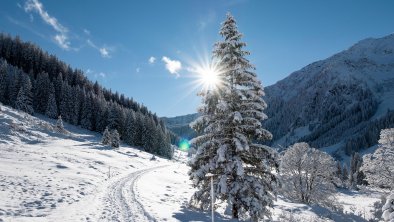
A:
[342, 101]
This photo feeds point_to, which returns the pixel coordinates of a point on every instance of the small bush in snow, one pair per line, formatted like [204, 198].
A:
[308, 174]
[59, 124]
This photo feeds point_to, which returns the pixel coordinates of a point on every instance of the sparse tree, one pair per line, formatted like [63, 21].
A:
[307, 174]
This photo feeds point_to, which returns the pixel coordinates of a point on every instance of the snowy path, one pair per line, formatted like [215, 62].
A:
[122, 199]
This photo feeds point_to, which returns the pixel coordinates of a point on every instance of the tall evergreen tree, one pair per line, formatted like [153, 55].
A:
[51, 110]
[3, 81]
[41, 92]
[115, 139]
[24, 101]
[229, 147]
[87, 112]
[107, 137]
[130, 128]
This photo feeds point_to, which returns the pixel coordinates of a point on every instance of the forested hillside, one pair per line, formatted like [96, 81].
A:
[33, 81]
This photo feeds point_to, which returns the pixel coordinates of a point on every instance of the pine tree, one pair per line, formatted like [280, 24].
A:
[355, 164]
[41, 92]
[24, 98]
[130, 128]
[59, 124]
[51, 110]
[229, 147]
[87, 113]
[107, 137]
[3, 81]
[345, 173]
[115, 139]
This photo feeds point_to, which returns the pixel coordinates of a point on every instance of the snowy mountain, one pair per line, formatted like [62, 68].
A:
[342, 101]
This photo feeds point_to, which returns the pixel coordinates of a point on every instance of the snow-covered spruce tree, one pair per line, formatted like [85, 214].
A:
[107, 137]
[24, 98]
[230, 127]
[307, 174]
[379, 166]
[59, 124]
[51, 110]
[115, 139]
[388, 208]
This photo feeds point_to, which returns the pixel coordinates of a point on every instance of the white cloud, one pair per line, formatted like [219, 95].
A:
[138, 69]
[62, 41]
[61, 38]
[102, 74]
[173, 66]
[152, 60]
[104, 52]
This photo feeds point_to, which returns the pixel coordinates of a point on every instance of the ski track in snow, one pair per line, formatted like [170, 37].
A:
[122, 200]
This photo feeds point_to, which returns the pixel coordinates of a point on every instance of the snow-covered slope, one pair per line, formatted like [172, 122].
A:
[337, 100]
[69, 176]
[50, 176]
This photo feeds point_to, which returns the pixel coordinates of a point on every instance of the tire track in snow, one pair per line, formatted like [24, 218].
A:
[123, 203]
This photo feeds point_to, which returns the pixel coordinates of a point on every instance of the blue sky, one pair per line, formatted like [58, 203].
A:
[143, 48]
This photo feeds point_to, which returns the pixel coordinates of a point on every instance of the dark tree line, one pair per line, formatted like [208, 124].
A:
[35, 82]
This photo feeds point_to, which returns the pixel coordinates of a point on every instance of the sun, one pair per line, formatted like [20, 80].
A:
[209, 77]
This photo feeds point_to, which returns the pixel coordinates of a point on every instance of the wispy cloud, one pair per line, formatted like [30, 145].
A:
[105, 51]
[152, 60]
[206, 20]
[137, 70]
[86, 31]
[25, 26]
[173, 66]
[61, 38]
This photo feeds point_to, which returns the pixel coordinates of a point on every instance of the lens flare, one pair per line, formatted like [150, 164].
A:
[184, 145]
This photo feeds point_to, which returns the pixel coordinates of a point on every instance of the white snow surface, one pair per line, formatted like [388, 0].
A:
[51, 176]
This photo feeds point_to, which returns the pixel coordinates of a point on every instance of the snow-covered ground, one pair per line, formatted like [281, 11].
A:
[51, 176]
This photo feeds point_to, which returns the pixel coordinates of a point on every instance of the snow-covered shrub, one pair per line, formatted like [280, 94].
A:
[307, 175]
[388, 208]
[379, 166]
[59, 124]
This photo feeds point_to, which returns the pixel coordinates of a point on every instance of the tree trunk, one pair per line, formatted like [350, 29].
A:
[235, 211]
